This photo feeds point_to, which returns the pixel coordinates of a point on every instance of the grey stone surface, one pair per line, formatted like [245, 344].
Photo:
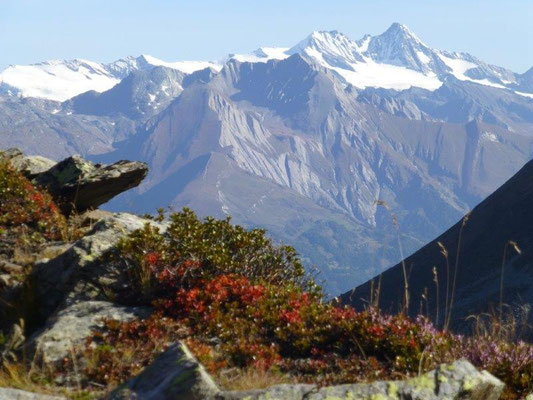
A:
[459, 380]
[15, 394]
[69, 327]
[81, 273]
[175, 374]
[285, 391]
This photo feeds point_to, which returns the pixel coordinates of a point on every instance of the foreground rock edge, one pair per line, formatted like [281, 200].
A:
[459, 380]
[176, 374]
[16, 394]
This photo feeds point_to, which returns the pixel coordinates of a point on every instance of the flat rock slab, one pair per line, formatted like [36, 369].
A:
[175, 374]
[15, 394]
[69, 327]
[460, 380]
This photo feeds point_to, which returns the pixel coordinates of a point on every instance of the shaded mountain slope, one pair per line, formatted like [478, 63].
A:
[506, 215]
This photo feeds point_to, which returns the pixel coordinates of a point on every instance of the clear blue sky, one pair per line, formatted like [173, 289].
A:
[499, 32]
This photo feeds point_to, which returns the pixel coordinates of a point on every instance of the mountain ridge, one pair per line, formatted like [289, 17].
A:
[367, 62]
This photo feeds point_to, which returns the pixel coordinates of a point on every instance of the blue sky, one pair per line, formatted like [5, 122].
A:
[499, 32]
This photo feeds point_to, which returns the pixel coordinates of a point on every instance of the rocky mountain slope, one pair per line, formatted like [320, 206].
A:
[303, 141]
[495, 244]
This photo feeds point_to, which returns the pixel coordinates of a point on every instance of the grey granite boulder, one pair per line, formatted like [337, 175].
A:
[15, 394]
[459, 380]
[78, 184]
[69, 327]
[175, 374]
[83, 272]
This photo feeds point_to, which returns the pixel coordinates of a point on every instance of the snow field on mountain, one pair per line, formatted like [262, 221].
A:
[55, 80]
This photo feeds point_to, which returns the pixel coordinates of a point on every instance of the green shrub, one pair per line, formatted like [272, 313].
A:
[217, 245]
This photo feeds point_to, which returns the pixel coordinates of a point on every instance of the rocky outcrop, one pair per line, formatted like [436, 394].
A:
[78, 184]
[81, 273]
[71, 326]
[15, 394]
[75, 183]
[459, 380]
[175, 374]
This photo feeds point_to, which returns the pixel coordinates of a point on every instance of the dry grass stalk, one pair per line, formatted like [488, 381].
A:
[444, 253]
[436, 280]
[512, 326]
[514, 245]
[456, 268]
[251, 378]
[405, 306]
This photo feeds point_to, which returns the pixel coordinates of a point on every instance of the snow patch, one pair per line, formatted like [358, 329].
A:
[372, 74]
[363, 47]
[530, 95]
[263, 54]
[491, 137]
[423, 58]
[187, 67]
[460, 66]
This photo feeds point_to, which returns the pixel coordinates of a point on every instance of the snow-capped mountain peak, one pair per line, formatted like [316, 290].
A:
[332, 47]
[401, 32]
[360, 63]
[399, 46]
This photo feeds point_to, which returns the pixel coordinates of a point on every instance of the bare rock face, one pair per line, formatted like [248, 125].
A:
[175, 374]
[81, 273]
[78, 184]
[71, 326]
[459, 380]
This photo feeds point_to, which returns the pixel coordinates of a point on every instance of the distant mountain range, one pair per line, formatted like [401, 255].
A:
[396, 59]
[301, 141]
